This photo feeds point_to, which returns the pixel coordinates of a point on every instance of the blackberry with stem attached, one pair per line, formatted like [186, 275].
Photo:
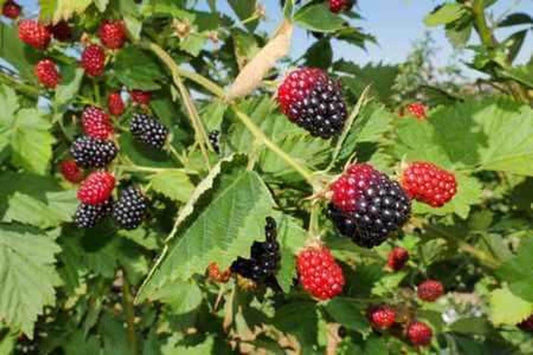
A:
[130, 209]
[91, 152]
[148, 130]
[264, 261]
[88, 215]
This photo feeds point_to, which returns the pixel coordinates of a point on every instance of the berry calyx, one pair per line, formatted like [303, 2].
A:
[430, 290]
[526, 324]
[419, 333]
[381, 317]
[427, 183]
[71, 171]
[141, 97]
[319, 273]
[61, 31]
[148, 130]
[312, 100]
[337, 6]
[130, 209]
[397, 258]
[96, 123]
[367, 206]
[88, 215]
[34, 34]
[91, 152]
[416, 109]
[96, 188]
[215, 275]
[11, 9]
[115, 104]
[112, 34]
[264, 260]
[93, 60]
[47, 74]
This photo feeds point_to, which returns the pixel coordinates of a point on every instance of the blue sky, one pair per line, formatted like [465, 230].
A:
[395, 23]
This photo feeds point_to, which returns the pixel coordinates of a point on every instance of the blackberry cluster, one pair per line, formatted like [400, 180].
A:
[91, 152]
[379, 208]
[88, 215]
[130, 209]
[264, 260]
[312, 100]
[214, 139]
[148, 130]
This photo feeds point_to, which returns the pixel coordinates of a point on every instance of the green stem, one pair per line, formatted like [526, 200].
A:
[480, 22]
[130, 314]
[200, 133]
[177, 155]
[96, 87]
[27, 90]
[256, 131]
[148, 169]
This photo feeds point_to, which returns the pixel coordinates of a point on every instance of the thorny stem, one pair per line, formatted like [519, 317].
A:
[200, 133]
[130, 313]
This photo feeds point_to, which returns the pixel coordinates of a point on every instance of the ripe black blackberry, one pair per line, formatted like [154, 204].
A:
[148, 130]
[88, 215]
[311, 99]
[130, 209]
[367, 206]
[264, 261]
[91, 152]
[214, 139]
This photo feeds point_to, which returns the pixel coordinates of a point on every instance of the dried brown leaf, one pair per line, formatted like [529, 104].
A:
[252, 74]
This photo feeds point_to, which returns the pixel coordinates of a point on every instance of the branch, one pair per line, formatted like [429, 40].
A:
[27, 90]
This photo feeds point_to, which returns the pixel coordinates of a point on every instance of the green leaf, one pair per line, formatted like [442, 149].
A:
[134, 27]
[138, 69]
[181, 297]
[26, 209]
[178, 348]
[101, 4]
[317, 17]
[445, 14]
[174, 184]
[221, 231]
[244, 10]
[319, 55]
[66, 91]
[17, 53]
[348, 312]
[64, 9]
[193, 43]
[517, 271]
[506, 308]
[300, 319]
[212, 114]
[291, 238]
[28, 274]
[518, 18]
[473, 325]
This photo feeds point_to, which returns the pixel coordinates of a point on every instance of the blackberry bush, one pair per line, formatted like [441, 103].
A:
[175, 179]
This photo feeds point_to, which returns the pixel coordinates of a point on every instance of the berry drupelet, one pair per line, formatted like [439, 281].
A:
[93, 60]
[264, 260]
[47, 74]
[130, 209]
[71, 171]
[96, 188]
[311, 99]
[430, 290]
[141, 97]
[148, 130]
[34, 34]
[318, 272]
[112, 34]
[337, 6]
[397, 258]
[11, 9]
[96, 123]
[88, 215]
[416, 109]
[419, 333]
[115, 104]
[367, 206]
[427, 183]
[381, 317]
[91, 152]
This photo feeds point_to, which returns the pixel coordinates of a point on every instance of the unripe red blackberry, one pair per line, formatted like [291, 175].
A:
[47, 74]
[88, 215]
[367, 206]
[526, 324]
[93, 60]
[61, 31]
[313, 101]
[34, 34]
[148, 130]
[11, 9]
[112, 34]
[215, 275]
[141, 97]
[430, 290]
[416, 109]
[419, 333]
[130, 209]
[337, 6]
[381, 317]
[93, 153]
[318, 273]
[96, 123]
[96, 188]
[427, 183]
[263, 264]
[115, 104]
[71, 171]
[397, 258]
